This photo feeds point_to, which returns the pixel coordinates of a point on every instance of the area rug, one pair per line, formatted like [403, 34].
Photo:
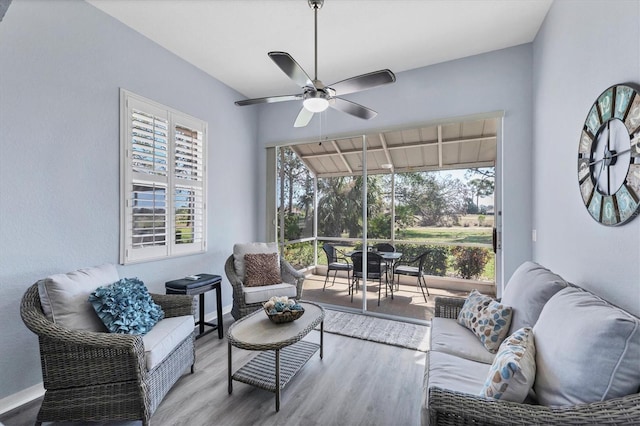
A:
[389, 332]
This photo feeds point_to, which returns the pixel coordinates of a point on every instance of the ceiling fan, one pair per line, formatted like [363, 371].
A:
[315, 96]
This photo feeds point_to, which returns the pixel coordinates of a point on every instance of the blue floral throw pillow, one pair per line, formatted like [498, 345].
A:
[126, 307]
[487, 318]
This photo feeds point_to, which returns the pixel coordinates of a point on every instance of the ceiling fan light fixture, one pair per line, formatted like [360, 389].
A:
[315, 104]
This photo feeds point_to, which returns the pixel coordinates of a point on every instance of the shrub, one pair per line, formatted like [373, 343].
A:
[436, 260]
[299, 255]
[470, 262]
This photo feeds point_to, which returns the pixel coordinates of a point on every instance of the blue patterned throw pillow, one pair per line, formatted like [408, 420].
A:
[487, 318]
[126, 307]
[514, 368]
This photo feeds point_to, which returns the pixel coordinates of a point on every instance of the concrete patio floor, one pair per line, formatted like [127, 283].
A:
[407, 302]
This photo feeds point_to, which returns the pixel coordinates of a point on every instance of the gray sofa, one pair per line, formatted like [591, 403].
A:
[586, 368]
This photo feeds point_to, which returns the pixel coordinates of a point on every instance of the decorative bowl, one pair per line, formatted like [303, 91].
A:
[285, 316]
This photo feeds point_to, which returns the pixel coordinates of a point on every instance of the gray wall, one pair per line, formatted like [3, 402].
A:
[582, 48]
[499, 80]
[61, 66]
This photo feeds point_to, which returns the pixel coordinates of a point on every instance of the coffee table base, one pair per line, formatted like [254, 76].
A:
[272, 370]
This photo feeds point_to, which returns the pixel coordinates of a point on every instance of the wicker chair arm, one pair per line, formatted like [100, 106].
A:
[290, 275]
[79, 357]
[448, 307]
[448, 407]
[176, 305]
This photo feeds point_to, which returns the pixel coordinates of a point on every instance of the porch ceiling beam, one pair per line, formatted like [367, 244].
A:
[429, 168]
[403, 146]
[386, 150]
[339, 152]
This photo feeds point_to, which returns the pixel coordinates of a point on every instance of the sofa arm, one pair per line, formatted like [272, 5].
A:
[176, 305]
[448, 307]
[448, 407]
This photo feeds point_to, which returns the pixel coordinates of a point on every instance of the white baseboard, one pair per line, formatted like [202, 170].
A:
[213, 316]
[27, 395]
[20, 398]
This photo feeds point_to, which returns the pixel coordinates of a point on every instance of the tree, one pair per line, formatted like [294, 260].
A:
[482, 182]
[433, 200]
[481, 188]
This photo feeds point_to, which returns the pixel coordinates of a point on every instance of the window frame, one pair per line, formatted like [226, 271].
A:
[194, 180]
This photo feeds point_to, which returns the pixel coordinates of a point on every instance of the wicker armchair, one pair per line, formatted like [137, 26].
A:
[240, 308]
[454, 408]
[95, 376]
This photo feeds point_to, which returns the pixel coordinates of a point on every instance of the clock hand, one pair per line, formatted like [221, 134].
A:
[621, 152]
[613, 155]
[595, 162]
[599, 173]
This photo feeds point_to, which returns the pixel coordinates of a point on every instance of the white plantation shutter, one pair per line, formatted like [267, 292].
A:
[163, 175]
[188, 195]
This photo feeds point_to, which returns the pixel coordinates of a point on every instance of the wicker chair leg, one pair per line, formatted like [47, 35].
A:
[326, 279]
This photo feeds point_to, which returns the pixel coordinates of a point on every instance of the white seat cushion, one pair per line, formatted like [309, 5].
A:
[266, 292]
[65, 297]
[448, 336]
[164, 337]
[456, 374]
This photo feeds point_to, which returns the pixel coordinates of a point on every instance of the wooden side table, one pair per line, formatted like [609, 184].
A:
[204, 283]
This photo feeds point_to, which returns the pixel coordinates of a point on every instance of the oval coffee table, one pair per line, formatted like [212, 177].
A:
[284, 351]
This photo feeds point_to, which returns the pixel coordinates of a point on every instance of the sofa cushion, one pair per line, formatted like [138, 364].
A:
[264, 293]
[513, 370]
[587, 350]
[164, 337]
[261, 269]
[126, 307]
[529, 288]
[450, 337]
[239, 250]
[487, 318]
[453, 373]
[64, 297]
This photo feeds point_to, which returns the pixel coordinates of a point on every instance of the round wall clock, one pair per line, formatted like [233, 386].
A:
[609, 156]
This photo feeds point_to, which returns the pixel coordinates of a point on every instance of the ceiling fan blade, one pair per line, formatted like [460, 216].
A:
[304, 117]
[352, 108]
[269, 100]
[363, 82]
[291, 68]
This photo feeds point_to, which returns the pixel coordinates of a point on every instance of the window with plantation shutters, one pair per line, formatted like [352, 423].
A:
[163, 178]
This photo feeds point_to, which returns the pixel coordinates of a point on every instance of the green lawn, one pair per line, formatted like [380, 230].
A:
[447, 235]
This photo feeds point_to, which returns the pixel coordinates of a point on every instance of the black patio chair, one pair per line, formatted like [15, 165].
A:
[386, 248]
[336, 261]
[414, 268]
[376, 269]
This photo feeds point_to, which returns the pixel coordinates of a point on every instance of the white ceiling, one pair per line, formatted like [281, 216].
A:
[229, 39]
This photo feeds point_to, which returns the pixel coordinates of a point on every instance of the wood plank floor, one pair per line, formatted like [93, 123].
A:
[357, 383]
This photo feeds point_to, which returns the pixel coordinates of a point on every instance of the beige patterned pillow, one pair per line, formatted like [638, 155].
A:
[487, 318]
[261, 269]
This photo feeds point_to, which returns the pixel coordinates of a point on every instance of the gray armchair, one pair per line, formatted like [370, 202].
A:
[244, 304]
[99, 376]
